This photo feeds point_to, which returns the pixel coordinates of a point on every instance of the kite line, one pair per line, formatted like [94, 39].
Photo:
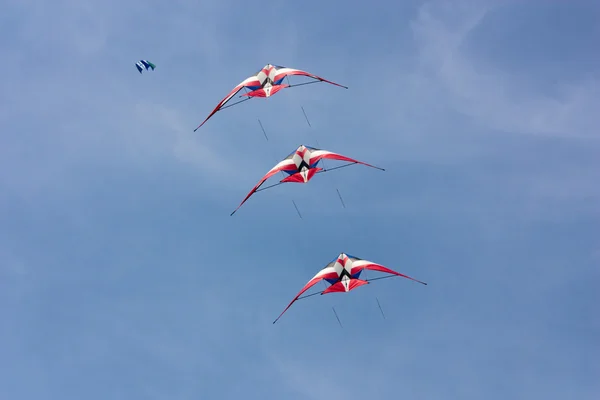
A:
[263, 129]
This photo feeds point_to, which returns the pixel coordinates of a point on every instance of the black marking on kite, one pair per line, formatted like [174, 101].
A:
[263, 129]
[336, 316]
[344, 273]
[298, 211]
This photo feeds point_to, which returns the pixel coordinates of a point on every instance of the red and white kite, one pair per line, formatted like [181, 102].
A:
[301, 166]
[343, 275]
[265, 83]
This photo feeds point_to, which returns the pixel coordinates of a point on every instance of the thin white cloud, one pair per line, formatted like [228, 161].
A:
[493, 97]
[170, 132]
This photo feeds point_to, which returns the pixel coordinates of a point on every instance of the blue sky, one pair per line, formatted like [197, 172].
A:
[122, 275]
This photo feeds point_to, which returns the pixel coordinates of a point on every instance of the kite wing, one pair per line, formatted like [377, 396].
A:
[282, 72]
[248, 82]
[318, 154]
[140, 65]
[285, 165]
[328, 272]
[359, 265]
[148, 64]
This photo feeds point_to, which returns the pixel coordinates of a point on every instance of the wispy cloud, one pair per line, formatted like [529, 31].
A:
[491, 96]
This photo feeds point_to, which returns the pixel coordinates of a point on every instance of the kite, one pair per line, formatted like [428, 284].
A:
[343, 275]
[140, 65]
[301, 166]
[265, 83]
